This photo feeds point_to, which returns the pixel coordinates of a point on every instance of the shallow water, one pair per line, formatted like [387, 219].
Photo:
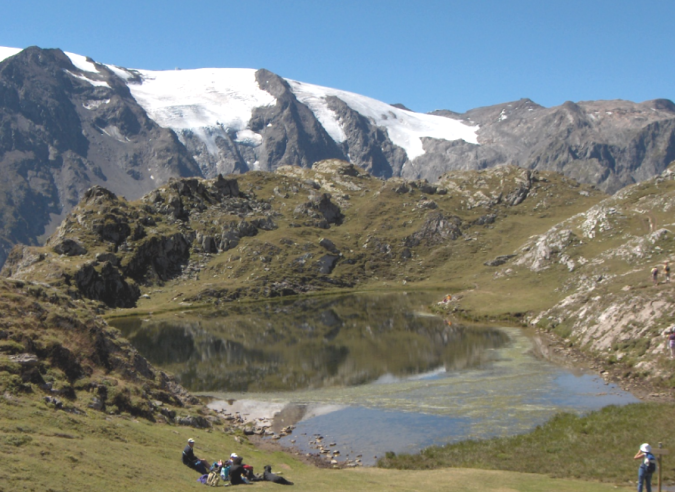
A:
[510, 395]
[371, 373]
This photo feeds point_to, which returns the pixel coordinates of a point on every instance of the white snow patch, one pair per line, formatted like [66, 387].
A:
[248, 137]
[205, 97]
[122, 73]
[90, 105]
[207, 102]
[6, 52]
[97, 83]
[405, 128]
[81, 62]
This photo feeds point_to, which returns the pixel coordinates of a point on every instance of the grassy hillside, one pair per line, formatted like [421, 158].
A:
[58, 451]
[191, 243]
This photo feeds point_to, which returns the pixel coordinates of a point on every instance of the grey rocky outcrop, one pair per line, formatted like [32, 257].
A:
[327, 263]
[321, 207]
[437, 229]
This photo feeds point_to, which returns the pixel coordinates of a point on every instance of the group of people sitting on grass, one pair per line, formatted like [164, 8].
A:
[232, 470]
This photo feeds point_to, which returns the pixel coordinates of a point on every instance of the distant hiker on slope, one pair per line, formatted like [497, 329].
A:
[647, 468]
[655, 275]
[191, 461]
[666, 270]
[670, 333]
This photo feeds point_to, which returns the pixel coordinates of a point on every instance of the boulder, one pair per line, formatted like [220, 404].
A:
[327, 263]
[106, 284]
[436, 229]
[328, 245]
[499, 260]
[69, 247]
[320, 206]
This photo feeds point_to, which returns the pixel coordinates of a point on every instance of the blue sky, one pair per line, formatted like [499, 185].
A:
[426, 54]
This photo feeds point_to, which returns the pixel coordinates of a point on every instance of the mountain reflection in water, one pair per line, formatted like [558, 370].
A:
[309, 343]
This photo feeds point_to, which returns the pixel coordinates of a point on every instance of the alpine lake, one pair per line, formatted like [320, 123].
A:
[369, 373]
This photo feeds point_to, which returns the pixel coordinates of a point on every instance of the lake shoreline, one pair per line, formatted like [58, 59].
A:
[554, 349]
[545, 346]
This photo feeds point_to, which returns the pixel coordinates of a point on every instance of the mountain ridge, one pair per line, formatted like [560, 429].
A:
[76, 123]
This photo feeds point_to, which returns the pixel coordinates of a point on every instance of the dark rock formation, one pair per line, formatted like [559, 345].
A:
[327, 263]
[291, 133]
[368, 146]
[158, 258]
[69, 247]
[106, 284]
[321, 207]
[437, 229]
[499, 260]
[329, 245]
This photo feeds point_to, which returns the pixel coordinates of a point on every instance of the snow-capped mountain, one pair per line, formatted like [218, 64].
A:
[68, 122]
[212, 111]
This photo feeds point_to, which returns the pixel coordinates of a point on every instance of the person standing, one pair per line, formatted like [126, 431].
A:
[647, 468]
[666, 270]
[671, 341]
[655, 275]
[191, 461]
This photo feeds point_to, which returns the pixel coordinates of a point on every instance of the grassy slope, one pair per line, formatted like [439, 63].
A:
[45, 449]
[599, 446]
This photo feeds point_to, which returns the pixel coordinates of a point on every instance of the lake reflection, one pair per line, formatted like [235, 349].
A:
[370, 372]
[310, 343]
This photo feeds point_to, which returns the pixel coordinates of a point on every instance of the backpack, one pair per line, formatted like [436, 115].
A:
[650, 463]
[214, 478]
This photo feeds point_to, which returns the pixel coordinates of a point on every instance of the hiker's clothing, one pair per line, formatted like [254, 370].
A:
[190, 460]
[237, 471]
[644, 475]
[644, 478]
[236, 474]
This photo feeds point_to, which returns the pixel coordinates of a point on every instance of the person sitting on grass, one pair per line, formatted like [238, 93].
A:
[238, 472]
[191, 461]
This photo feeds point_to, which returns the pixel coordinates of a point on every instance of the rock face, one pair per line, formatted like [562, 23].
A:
[63, 130]
[321, 208]
[367, 145]
[610, 144]
[290, 131]
[149, 242]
